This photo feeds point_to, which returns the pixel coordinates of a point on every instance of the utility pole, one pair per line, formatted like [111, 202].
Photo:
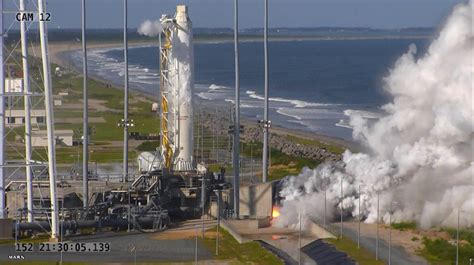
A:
[48, 101]
[3, 213]
[196, 245]
[236, 145]
[359, 217]
[217, 143]
[125, 101]
[203, 203]
[342, 200]
[457, 238]
[218, 193]
[377, 238]
[27, 106]
[266, 122]
[299, 239]
[325, 201]
[85, 125]
[390, 233]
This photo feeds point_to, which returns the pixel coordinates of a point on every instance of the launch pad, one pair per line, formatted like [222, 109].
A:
[170, 184]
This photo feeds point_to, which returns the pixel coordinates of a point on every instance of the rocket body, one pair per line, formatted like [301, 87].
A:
[182, 58]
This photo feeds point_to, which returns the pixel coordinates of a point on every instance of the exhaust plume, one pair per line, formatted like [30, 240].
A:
[419, 153]
[150, 28]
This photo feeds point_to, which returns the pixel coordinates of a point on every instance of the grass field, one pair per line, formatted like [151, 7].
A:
[443, 252]
[282, 164]
[230, 249]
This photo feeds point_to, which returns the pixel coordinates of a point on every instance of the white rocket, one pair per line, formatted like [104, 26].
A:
[182, 53]
[181, 88]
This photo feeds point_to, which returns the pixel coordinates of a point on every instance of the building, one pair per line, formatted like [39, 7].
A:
[63, 137]
[16, 117]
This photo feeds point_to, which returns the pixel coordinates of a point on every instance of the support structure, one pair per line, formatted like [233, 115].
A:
[85, 126]
[236, 145]
[27, 103]
[3, 213]
[125, 90]
[48, 98]
[266, 122]
[167, 114]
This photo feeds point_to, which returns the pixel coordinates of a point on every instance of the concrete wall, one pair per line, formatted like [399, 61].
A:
[256, 200]
[319, 231]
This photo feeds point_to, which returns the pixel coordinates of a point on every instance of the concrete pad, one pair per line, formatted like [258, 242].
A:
[285, 239]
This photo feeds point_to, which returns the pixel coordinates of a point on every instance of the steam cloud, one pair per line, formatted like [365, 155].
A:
[150, 28]
[420, 153]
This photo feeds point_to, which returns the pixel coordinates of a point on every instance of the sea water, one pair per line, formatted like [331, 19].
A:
[314, 84]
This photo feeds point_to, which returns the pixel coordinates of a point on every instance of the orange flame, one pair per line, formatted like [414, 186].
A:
[275, 212]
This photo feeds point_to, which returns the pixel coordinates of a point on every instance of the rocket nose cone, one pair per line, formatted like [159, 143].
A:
[182, 9]
[182, 13]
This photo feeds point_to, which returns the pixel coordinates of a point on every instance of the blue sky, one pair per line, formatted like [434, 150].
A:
[290, 13]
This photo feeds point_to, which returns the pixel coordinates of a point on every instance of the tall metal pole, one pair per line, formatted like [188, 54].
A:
[217, 142]
[341, 209]
[27, 103]
[125, 101]
[457, 238]
[266, 123]
[3, 213]
[48, 98]
[196, 245]
[218, 220]
[358, 232]
[236, 145]
[377, 237]
[203, 203]
[390, 236]
[299, 239]
[85, 125]
[390, 233]
[325, 202]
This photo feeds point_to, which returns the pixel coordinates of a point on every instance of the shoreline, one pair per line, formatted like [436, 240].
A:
[59, 49]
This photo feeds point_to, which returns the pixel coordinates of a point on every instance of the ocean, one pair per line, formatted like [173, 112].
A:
[314, 84]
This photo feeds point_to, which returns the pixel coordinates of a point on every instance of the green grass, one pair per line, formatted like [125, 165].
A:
[148, 146]
[42, 262]
[285, 164]
[464, 234]
[402, 226]
[38, 239]
[246, 253]
[304, 141]
[443, 252]
[361, 256]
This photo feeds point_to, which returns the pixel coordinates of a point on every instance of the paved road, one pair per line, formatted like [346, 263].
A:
[147, 250]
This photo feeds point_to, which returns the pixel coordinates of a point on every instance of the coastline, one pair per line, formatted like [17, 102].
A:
[58, 51]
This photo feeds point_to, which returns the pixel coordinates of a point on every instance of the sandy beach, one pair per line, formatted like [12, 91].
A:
[57, 56]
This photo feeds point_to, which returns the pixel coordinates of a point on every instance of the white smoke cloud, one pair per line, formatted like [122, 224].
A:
[420, 154]
[150, 28]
